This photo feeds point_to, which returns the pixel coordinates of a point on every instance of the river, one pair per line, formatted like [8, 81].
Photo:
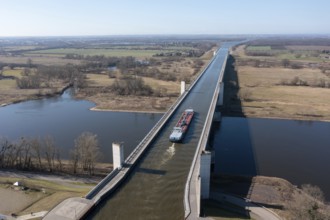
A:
[294, 150]
[65, 118]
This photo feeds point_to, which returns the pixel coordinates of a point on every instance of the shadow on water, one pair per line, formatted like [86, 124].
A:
[235, 163]
[151, 171]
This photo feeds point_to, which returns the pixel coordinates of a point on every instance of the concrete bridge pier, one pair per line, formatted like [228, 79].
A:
[183, 87]
[217, 116]
[220, 97]
[205, 174]
[217, 113]
[118, 155]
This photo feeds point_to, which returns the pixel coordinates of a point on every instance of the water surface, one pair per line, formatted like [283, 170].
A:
[65, 118]
[298, 151]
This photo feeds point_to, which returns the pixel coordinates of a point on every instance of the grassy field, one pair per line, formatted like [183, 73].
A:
[13, 72]
[105, 100]
[41, 195]
[10, 93]
[38, 59]
[259, 48]
[7, 85]
[97, 91]
[261, 92]
[293, 53]
[108, 101]
[104, 80]
[15, 48]
[93, 52]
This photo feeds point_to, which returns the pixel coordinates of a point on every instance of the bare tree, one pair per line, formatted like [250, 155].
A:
[285, 63]
[29, 62]
[86, 146]
[4, 146]
[59, 160]
[74, 160]
[25, 146]
[313, 191]
[37, 151]
[50, 152]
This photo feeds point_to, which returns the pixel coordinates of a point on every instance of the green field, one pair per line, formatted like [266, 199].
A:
[14, 48]
[93, 52]
[258, 48]
[14, 72]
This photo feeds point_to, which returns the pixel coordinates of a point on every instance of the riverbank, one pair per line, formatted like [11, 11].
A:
[136, 104]
[11, 95]
[161, 77]
[275, 194]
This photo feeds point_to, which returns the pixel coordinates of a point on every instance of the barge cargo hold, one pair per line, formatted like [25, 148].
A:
[182, 126]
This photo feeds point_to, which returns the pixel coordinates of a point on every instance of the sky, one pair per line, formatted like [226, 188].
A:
[157, 17]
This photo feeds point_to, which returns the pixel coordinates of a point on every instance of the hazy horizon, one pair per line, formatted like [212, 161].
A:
[145, 17]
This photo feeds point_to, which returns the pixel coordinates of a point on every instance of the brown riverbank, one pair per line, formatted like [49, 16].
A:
[11, 94]
[276, 194]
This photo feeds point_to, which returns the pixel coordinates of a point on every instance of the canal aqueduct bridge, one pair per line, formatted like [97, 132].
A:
[204, 95]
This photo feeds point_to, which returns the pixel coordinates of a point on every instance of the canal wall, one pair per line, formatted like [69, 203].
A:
[80, 207]
[194, 185]
[138, 152]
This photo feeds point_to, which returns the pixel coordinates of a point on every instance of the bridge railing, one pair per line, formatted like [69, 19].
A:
[139, 149]
[101, 184]
[151, 134]
[202, 143]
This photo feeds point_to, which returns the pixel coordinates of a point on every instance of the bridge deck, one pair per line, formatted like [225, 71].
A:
[156, 183]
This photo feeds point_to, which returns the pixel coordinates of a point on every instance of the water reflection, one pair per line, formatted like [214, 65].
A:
[65, 118]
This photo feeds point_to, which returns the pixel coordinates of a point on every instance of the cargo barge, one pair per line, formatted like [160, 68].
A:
[182, 126]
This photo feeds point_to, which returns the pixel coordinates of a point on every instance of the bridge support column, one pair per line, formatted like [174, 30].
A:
[221, 91]
[118, 154]
[205, 174]
[217, 116]
[183, 87]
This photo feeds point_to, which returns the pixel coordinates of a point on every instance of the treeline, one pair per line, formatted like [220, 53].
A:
[154, 73]
[296, 81]
[269, 53]
[15, 65]
[260, 53]
[199, 49]
[46, 76]
[287, 41]
[286, 63]
[131, 86]
[36, 154]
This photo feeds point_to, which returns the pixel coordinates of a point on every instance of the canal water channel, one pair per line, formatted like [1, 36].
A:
[294, 150]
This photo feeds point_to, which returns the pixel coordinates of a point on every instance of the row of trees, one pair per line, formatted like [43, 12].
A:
[35, 154]
[44, 76]
[154, 73]
[131, 86]
[296, 81]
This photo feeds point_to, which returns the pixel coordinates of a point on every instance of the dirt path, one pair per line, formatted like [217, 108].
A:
[62, 179]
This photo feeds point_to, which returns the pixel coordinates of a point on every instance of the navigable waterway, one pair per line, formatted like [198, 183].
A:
[297, 151]
[65, 118]
[294, 150]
